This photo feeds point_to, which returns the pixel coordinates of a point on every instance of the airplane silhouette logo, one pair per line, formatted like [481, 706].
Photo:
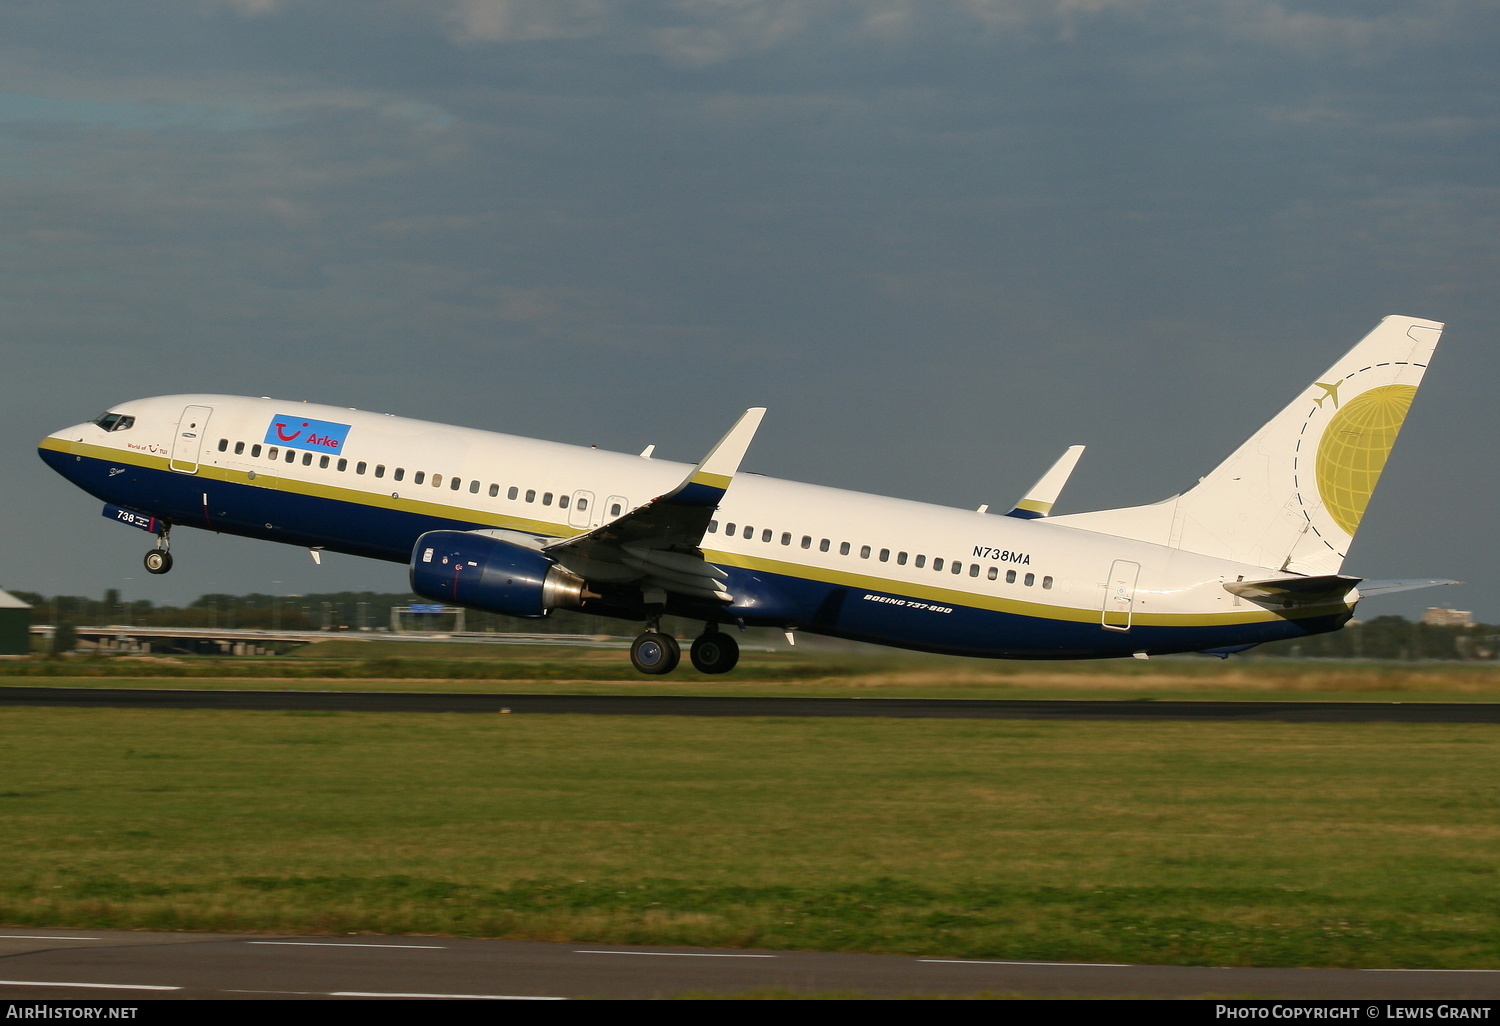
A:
[1330, 391]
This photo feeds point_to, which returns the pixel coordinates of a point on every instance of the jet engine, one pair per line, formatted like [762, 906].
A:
[487, 573]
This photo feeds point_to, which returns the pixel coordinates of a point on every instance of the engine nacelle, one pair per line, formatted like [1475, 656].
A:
[486, 573]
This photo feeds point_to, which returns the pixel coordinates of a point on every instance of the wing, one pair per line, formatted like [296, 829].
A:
[657, 543]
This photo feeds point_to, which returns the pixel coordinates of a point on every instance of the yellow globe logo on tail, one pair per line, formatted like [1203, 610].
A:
[1354, 447]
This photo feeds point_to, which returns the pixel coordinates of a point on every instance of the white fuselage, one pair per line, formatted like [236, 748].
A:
[902, 569]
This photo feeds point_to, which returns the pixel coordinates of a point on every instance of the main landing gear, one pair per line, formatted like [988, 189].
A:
[714, 651]
[657, 653]
[159, 559]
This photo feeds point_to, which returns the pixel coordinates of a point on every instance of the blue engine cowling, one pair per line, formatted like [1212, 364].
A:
[486, 573]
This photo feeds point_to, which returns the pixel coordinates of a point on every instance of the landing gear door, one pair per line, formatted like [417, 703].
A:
[187, 443]
[1119, 595]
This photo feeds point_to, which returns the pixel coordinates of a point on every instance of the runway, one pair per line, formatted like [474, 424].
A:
[698, 705]
[128, 966]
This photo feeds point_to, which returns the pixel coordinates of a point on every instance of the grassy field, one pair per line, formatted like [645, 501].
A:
[404, 666]
[1227, 844]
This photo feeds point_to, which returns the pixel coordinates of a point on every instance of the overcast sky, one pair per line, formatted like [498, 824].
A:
[941, 241]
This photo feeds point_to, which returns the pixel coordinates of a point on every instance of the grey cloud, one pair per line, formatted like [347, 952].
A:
[940, 240]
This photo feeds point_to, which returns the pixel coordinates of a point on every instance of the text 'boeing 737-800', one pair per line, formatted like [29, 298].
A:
[512, 525]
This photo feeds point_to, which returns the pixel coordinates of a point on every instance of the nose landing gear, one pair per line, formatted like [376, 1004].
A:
[159, 559]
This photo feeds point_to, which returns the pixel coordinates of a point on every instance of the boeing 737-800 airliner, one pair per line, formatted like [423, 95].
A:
[1252, 553]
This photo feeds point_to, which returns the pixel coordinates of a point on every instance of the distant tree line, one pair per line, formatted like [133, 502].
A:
[1392, 637]
[332, 611]
[1384, 637]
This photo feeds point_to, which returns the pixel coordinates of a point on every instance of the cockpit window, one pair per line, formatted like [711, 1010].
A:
[115, 422]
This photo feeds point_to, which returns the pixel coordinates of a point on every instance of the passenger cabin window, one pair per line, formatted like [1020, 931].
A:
[823, 545]
[306, 459]
[920, 562]
[729, 530]
[494, 490]
[900, 559]
[786, 537]
[765, 535]
[239, 448]
[223, 445]
[562, 502]
[291, 456]
[474, 487]
[937, 564]
[546, 498]
[323, 462]
[885, 555]
[437, 480]
[513, 492]
[343, 464]
[255, 450]
[1047, 582]
[843, 548]
[994, 572]
[807, 541]
[531, 495]
[419, 477]
[272, 453]
[398, 475]
[1030, 580]
[379, 470]
[973, 569]
[713, 527]
[1010, 577]
[749, 532]
[362, 466]
[456, 484]
[864, 552]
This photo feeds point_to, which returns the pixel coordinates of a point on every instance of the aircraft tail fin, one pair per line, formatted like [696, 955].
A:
[1293, 495]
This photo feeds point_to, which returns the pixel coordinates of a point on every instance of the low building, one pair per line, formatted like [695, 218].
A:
[15, 625]
[1436, 616]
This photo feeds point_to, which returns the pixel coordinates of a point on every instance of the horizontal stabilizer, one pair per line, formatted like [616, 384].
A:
[1039, 500]
[1369, 588]
[1294, 590]
[1329, 584]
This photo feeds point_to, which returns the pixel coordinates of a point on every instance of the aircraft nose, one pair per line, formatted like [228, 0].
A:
[59, 448]
[67, 434]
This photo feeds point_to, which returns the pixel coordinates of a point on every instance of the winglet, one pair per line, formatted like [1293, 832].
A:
[706, 485]
[1038, 501]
